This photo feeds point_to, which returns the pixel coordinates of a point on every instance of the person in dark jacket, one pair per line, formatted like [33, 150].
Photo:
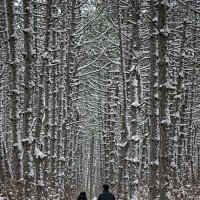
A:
[106, 195]
[82, 196]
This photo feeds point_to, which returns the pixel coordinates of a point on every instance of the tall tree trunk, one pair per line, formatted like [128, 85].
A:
[154, 138]
[28, 107]
[14, 65]
[40, 103]
[135, 139]
[189, 158]
[68, 142]
[54, 64]
[60, 166]
[123, 148]
[135, 98]
[178, 106]
[91, 166]
[2, 141]
[164, 115]
[112, 157]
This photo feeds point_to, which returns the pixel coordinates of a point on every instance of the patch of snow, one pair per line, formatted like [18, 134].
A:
[40, 183]
[135, 82]
[62, 158]
[157, 111]
[155, 85]
[122, 145]
[29, 139]
[45, 54]
[135, 138]
[155, 19]
[178, 96]
[176, 114]
[30, 110]
[27, 30]
[169, 86]
[135, 104]
[156, 95]
[181, 74]
[156, 162]
[173, 164]
[39, 154]
[166, 121]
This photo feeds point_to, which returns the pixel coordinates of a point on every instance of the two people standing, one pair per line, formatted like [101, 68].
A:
[106, 195]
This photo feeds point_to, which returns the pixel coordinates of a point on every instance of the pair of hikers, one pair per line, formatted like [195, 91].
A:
[106, 195]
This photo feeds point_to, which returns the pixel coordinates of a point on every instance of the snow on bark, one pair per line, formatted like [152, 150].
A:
[28, 91]
[164, 115]
[15, 94]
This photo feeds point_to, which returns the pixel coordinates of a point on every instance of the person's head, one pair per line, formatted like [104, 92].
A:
[105, 187]
[82, 194]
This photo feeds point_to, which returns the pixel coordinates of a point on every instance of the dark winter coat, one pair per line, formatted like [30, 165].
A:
[82, 198]
[106, 196]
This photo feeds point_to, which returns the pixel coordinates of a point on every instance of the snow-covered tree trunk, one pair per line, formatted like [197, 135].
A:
[164, 115]
[47, 128]
[123, 148]
[193, 89]
[2, 139]
[135, 139]
[194, 145]
[68, 140]
[60, 166]
[135, 100]
[78, 154]
[179, 97]
[113, 131]
[28, 107]
[3, 67]
[40, 116]
[91, 166]
[181, 139]
[189, 159]
[54, 66]
[154, 137]
[74, 153]
[14, 65]
[106, 134]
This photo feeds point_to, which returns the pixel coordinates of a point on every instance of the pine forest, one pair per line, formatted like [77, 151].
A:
[97, 92]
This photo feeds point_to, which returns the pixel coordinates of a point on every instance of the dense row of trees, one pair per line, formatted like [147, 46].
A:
[96, 92]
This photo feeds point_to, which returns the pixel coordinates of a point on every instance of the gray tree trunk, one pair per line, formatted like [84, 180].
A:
[154, 137]
[164, 115]
[123, 148]
[29, 54]
[14, 66]
[40, 105]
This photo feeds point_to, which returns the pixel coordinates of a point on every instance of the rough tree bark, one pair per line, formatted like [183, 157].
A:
[164, 115]
[40, 104]
[123, 148]
[28, 85]
[154, 138]
[14, 65]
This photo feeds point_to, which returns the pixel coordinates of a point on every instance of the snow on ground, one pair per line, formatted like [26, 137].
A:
[2, 198]
[95, 198]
